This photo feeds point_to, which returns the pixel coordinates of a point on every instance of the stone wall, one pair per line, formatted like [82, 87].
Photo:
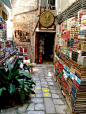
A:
[26, 22]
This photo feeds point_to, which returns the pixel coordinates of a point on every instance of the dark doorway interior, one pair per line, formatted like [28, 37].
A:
[46, 46]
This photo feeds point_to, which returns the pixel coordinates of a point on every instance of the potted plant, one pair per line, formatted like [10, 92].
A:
[14, 82]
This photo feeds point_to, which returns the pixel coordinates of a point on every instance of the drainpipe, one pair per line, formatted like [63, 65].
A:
[29, 10]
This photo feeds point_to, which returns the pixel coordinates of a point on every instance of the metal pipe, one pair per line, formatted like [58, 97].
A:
[29, 10]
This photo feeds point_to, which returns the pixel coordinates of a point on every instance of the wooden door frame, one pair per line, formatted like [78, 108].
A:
[37, 50]
[54, 48]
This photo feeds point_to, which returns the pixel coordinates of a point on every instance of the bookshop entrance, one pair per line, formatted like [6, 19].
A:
[45, 47]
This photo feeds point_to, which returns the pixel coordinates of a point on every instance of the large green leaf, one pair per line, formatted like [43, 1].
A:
[16, 66]
[10, 75]
[22, 71]
[29, 89]
[21, 82]
[22, 93]
[2, 69]
[2, 81]
[25, 74]
[17, 77]
[12, 88]
[4, 76]
[10, 66]
[31, 82]
[14, 74]
[2, 89]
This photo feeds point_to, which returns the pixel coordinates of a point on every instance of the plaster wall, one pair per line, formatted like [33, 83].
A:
[63, 4]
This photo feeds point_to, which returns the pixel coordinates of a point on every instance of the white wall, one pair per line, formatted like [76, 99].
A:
[63, 4]
[9, 30]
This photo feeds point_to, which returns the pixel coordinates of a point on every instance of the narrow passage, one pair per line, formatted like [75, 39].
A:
[47, 99]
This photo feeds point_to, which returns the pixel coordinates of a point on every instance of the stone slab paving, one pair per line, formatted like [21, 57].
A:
[35, 112]
[55, 96]
[46, 95]
[55, 91]
[47, 99]
[60, 109]
[39, 107]
[39, 95]
[58, 101]
[31, 106]
[49, 105]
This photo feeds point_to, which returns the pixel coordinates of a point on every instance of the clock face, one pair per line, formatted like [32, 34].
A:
[46, 19]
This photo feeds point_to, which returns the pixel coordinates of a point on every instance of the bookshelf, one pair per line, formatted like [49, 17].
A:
[7, 47]
[70, 64]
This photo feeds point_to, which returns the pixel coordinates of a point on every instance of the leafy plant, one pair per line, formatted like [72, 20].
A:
[14, 81]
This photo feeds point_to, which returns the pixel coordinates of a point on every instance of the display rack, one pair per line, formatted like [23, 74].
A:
[70, 61]
[7, 47]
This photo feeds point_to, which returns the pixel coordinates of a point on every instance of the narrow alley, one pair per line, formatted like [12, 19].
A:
[42, 56]
[47, 99]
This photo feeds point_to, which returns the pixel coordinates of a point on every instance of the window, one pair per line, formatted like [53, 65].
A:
[49, 2]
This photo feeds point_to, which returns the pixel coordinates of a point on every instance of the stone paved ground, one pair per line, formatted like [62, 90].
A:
[48, 98]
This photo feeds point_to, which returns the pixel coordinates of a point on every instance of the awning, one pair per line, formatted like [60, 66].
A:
[7, 3]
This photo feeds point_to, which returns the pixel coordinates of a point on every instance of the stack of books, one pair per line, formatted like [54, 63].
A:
[74, 56]
[64, 84]
[69, 86]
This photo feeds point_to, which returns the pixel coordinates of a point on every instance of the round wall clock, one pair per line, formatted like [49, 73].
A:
[46, 19]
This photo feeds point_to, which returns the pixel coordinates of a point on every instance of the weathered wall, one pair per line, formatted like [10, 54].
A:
[26, 22]
[63, 4]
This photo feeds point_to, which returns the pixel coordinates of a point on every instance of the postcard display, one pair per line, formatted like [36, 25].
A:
[23, 53]
[70, 61]
[7, 47]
